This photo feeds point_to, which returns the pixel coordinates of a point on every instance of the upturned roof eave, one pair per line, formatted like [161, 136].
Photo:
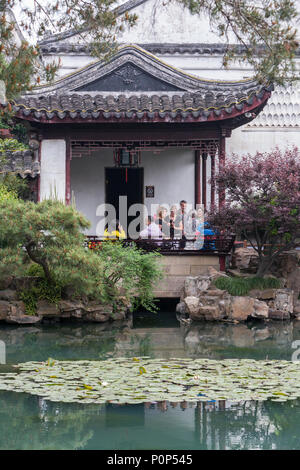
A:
[199, 115]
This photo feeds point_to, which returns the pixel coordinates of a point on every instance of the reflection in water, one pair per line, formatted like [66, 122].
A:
[33, 423]
[100, 341]
[28, 422]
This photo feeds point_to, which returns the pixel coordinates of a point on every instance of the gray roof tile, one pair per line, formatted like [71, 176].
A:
[22, 163]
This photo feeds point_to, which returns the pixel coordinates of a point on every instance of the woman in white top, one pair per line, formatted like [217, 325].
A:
[152, 230]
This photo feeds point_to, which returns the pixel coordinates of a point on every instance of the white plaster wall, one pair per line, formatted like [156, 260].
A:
[245, 140]
[88, 185]
[171, 172]
[205, 66]
[69, 62]
[165, 22]
[53, 169]
[161, 21]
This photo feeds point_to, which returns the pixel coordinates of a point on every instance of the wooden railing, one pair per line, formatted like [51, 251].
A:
[213, 244]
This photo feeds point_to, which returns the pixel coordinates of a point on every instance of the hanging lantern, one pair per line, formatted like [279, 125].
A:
[126, 158]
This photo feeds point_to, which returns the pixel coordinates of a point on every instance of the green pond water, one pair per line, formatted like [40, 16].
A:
[30, 422]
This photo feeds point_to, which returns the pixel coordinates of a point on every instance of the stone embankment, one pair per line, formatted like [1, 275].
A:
[13, 310]
[201, 300]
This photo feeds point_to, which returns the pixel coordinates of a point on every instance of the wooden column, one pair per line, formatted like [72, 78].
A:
[68, 172]
[222, 262]
[212, 187]
[39, 176]
[222, 164]
[197, 177]
[204, 159]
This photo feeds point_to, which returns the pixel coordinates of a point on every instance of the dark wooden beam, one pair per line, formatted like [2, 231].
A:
[212, 187]
[197, 177]
[221, 165]
[39, 176]
[204, 187]
[133, 133]
[68, 171]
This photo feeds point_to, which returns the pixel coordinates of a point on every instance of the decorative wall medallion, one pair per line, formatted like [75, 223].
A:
[128, 74]
[149, 191]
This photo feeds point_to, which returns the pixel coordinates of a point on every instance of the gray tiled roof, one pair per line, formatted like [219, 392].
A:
[54, 47]
[93, 106]
[21, 162]
[135, 85]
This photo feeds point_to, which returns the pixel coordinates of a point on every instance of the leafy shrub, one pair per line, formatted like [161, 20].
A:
[241, 286]
[262, 202]
[49, 234]
[129, 272]
[42, 290]
[6, 194]
[16, 185]
[3, 125]
[35, 270]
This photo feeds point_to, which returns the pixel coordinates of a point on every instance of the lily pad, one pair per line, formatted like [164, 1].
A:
[143, 379]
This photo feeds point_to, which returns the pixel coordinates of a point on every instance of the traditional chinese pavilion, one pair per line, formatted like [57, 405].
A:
[143, 125]
[135, 126]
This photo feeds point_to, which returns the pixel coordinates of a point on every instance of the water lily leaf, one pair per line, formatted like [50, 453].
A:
[50, 362]
[117, 381]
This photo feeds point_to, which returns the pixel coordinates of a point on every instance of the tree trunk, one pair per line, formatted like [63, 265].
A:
[41, 262]
[264, 266]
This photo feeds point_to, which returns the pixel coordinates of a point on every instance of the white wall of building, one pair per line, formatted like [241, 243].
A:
[53, 169]
[204, 66]
[88, 184]
[172, 173]
[247, 140]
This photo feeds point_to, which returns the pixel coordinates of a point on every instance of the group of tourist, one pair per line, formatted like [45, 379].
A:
[178, 223]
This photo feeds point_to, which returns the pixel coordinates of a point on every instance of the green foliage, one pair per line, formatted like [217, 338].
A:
[11, 181]
[16, 185]
[3, 124]
[35, 270]
[130, 272]
[20, 133]
[49, 234]
[140, 380]
[261, 33]
[241, 286]
[42, 290]
[6, 194]
[11, 145]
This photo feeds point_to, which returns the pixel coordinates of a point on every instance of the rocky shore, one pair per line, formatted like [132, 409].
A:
[13, 310]
[201, 300]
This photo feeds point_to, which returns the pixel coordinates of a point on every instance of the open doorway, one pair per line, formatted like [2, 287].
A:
[124, 182]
